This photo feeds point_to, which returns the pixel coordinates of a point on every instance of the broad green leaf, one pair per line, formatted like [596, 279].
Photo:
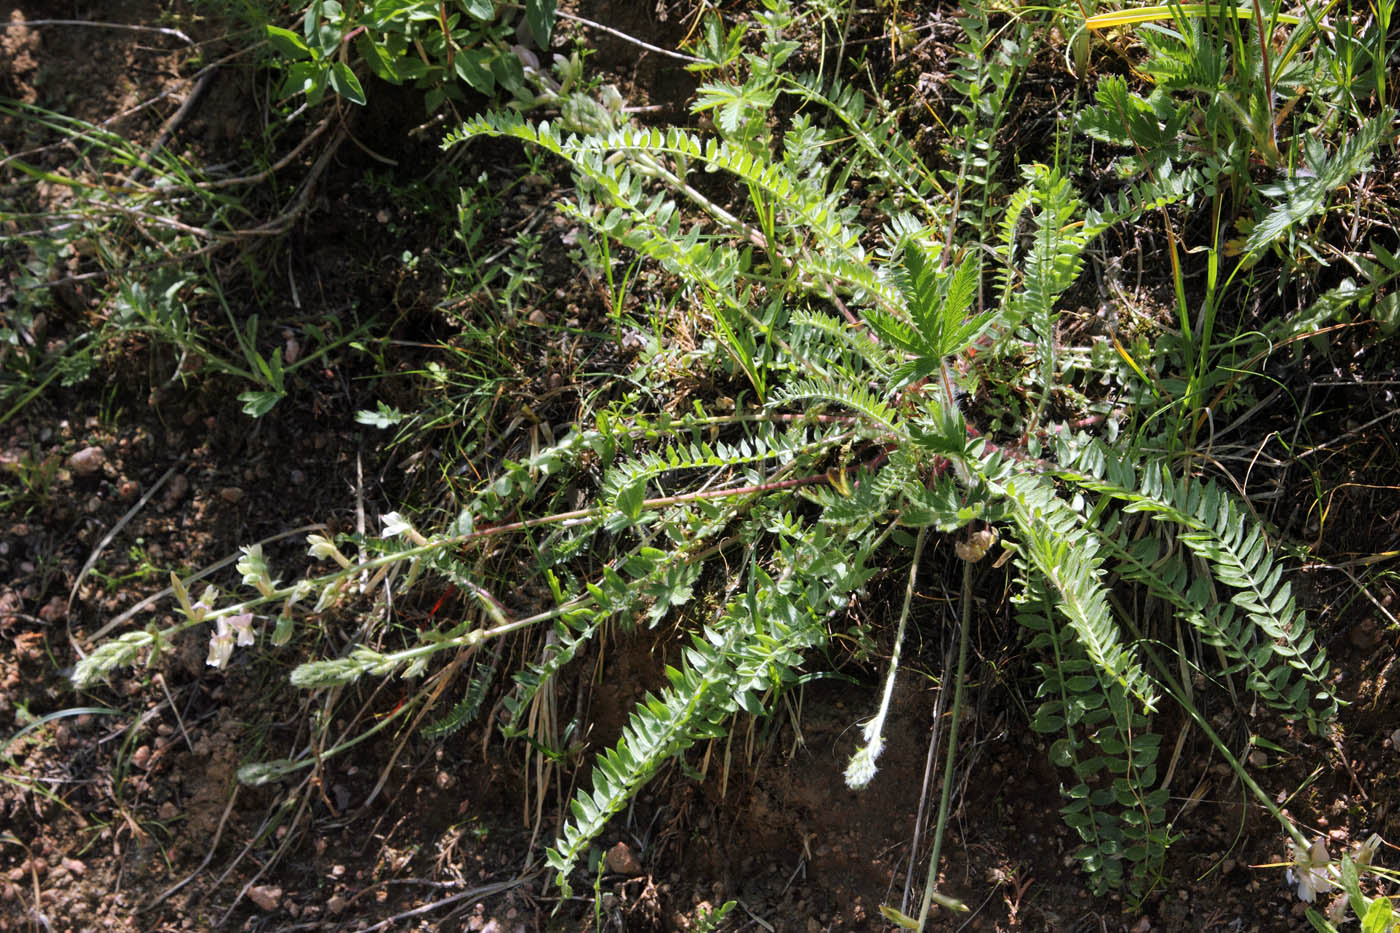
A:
[539, 16]
[471, 68]
[303, 78]
[378, 58]
[344, 83]
[257, 404]
[482, 10]
[287, 43]
[1379, 917]
[508, 72]
[630, 499]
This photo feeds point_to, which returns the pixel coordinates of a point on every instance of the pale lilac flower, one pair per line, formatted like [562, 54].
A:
[243, 625]
[205, 605]
[226, 628]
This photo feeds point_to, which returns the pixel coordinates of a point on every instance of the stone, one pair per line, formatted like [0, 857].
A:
[265, 896]
[87, 461]
[621, 860]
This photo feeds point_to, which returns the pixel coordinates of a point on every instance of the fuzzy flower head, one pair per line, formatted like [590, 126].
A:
[1309, 870]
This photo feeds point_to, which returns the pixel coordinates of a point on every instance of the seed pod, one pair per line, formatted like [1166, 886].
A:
[974, 547]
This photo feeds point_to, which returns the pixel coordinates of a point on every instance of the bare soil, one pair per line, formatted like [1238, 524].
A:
[123, 812]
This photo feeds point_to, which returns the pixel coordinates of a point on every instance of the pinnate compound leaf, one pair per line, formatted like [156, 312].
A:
[1303, 198]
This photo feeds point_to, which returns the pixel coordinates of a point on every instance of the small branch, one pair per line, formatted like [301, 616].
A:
[560, 518]
[173, 123]
[679, 56]
[165, 31]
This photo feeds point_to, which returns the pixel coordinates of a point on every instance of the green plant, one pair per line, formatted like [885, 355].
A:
[29, 480]
[1313, 871]
[1222, 103]
[709, 919]
[417, 42]
[850, 441]
[159, 307]
[145, 250]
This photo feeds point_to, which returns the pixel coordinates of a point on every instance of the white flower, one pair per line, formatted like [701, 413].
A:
[322, 547]
[1309, 870]
[861, 768]
[254, 568]
[220, 646]
[394, 525]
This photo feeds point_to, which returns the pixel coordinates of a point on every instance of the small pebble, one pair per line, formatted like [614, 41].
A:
[621, 860]
[87, 461]
[231, 494]
[265, 896]
[179, 486]
[1365, 634]
[55, 610]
